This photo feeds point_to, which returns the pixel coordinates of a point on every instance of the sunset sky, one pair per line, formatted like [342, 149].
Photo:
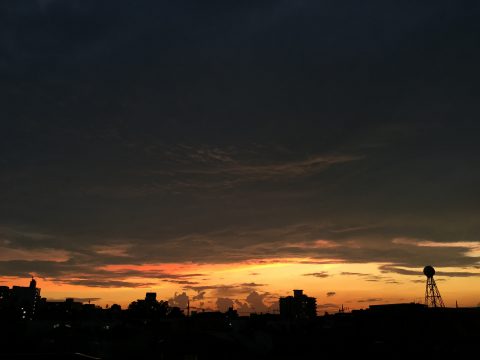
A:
[230, 152]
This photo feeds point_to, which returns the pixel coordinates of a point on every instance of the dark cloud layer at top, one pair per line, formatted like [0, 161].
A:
[216, 132]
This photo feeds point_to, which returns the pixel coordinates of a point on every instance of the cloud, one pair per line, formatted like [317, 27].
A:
[107, 283]
[84, 274]
[242, 307]
[353, 273]
[364, 276]
[331, 293]
[281, 159]
[370, 300]
[255, 303]
[46, 254]
[423, 281]
[327, 306]
[252, 284]
[226, 290]
[224, 303]
[402, 271]
[181, 282]
[240, 243]
[263, 245]
[352, 229]
[217, 290]
[97, 265]
[81, 299]
[391, 281]
[322, 274]
[188, 168]
[199, 296]
[264, 172]
[179, 300]
[255, 300]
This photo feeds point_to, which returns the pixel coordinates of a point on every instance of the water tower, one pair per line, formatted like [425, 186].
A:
[432, 295]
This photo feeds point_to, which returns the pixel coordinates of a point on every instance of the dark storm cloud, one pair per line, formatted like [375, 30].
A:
[264, 245]
[42, 268]
[213, 132]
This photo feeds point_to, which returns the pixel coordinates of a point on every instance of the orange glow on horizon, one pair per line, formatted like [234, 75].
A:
[332, 283]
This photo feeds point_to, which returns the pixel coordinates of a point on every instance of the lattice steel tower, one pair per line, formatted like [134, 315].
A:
[432, 295]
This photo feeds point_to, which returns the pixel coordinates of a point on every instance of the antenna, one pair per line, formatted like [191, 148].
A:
[432, 295]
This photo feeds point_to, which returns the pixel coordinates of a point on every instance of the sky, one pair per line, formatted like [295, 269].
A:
[230, 152]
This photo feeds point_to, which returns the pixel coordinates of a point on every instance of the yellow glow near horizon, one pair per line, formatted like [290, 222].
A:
[353, 285]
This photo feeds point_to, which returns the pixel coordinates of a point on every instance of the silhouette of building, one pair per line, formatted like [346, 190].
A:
[150, 307]
[151, 297]
[397, 308]
[298, 306]
[4, 298]
[20, 301]
[66, 306]
[4, 293]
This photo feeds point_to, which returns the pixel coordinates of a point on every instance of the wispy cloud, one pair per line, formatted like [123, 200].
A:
[207, 167]
[417, 272]
[369, 300]
[79, 299]
[322, 274]
[279, 169]
[181, 282]
[107, 283]
[327, 306]
[113, 259]
[252, 284]
[225, 290]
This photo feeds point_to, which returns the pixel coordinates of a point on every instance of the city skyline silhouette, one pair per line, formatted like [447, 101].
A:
[186, 302]
[151, 327]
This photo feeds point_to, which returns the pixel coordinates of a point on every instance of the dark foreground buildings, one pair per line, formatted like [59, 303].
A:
[20, 302]
[151, 329]
[298, 306]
